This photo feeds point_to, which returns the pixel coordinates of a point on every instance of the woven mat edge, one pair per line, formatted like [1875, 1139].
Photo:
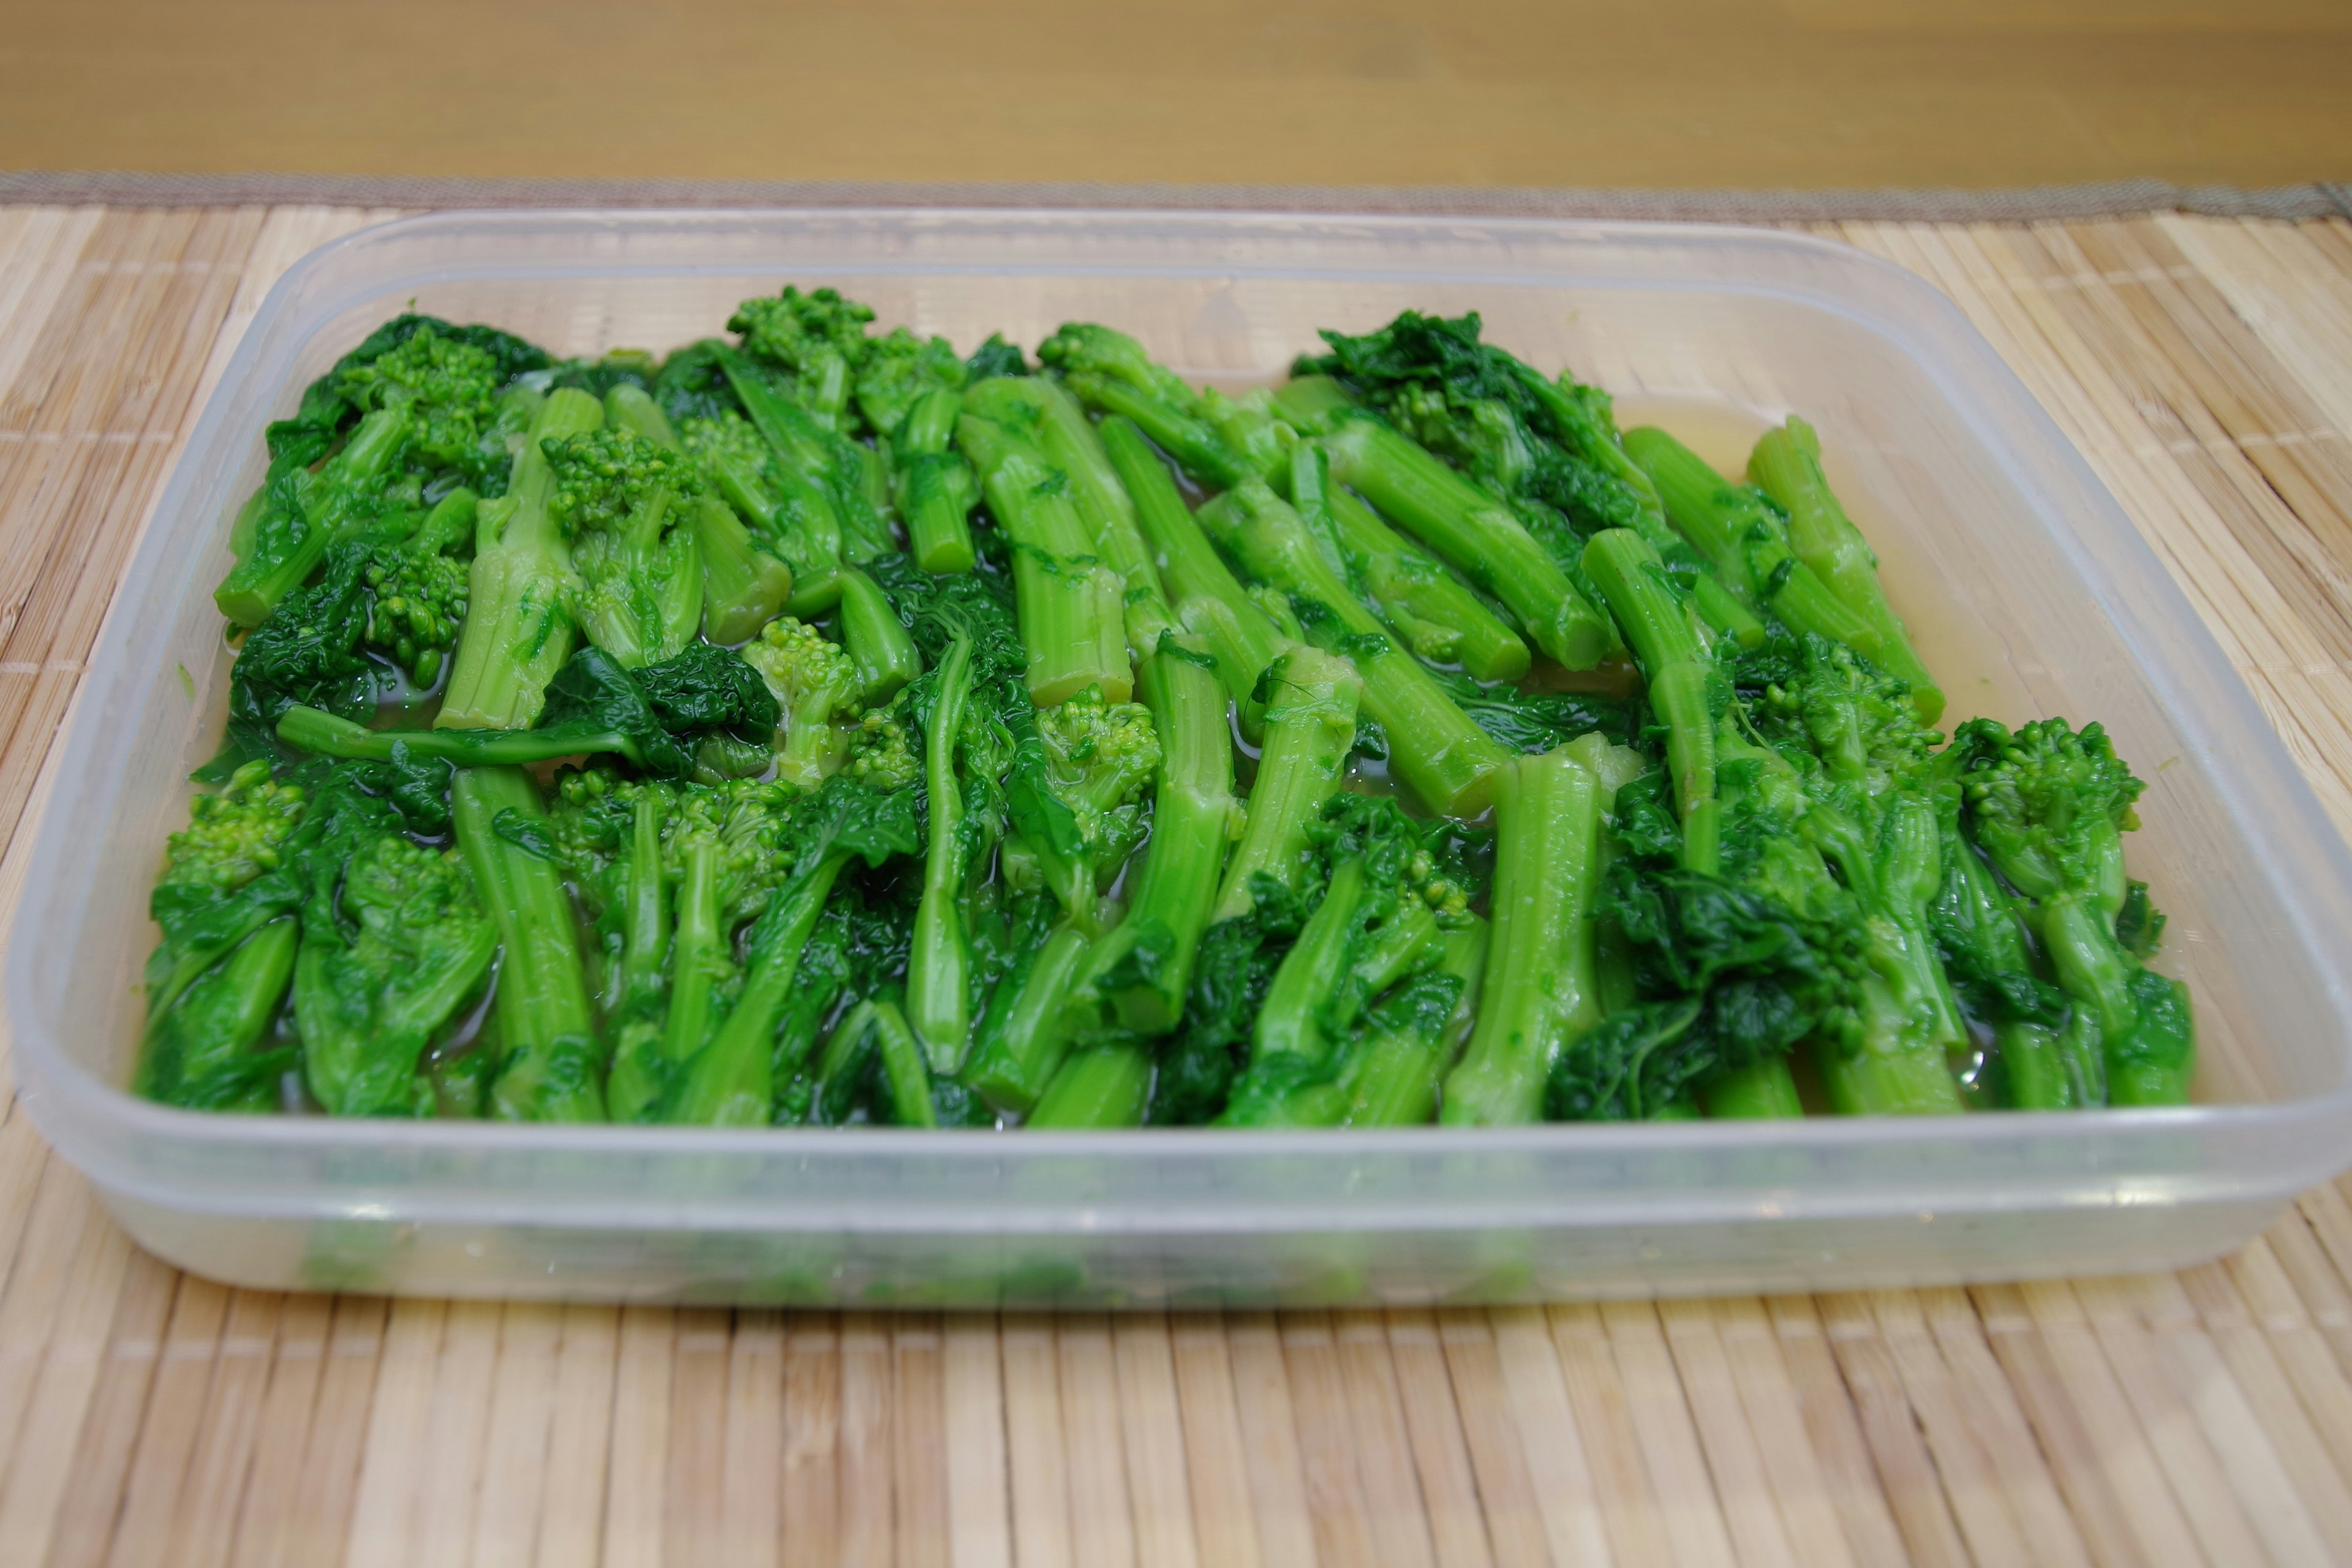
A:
[2022, 205]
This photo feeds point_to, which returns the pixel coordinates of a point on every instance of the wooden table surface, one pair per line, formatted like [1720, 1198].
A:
[1535, 92]
[2205, 369]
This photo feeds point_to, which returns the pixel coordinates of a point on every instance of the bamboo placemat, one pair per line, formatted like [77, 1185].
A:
[2205, 368]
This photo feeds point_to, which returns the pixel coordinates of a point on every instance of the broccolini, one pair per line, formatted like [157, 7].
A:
[815, 727]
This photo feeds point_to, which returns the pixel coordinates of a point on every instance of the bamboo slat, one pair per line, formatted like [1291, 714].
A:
[979, 1526]
[1226, 1515]
[1152, 1431]
[1553, 1449]
[2203, 368]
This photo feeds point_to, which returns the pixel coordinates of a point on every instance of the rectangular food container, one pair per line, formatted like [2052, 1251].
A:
[2031, 592]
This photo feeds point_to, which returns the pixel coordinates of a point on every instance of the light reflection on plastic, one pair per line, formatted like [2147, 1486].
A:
[2127, 1195]
[2143, 1195]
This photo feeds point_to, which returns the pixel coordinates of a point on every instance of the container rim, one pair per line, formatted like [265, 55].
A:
[2292, 839]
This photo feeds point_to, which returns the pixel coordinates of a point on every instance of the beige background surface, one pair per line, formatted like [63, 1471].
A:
[1531, 92]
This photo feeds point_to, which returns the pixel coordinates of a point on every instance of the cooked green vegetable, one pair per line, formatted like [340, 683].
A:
[626, 503]
[1205, 597]
[1072, 620]
[1686, 690]
[1099, 757]
[1737, 532]
[1787, 466]
[813, 680]
[731, 1079]
[2048, 805]
[785, 514]
[817, 341]
[663, 719]
[519, 625]
[1141, 971]
[1432, 745]
[1049, 416]
[1475, 533]
[1310, 726]
[743, 583]
[819, 728]
[1110, 371]
[551, 1061]
[1541, 989]
[1439, 619]
[229, 885]
[418, 403]
[934, 487]
[1389, 894]
[879, 648]
[378, 980]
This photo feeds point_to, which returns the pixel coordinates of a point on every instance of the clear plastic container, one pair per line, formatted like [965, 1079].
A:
[2031, 592]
